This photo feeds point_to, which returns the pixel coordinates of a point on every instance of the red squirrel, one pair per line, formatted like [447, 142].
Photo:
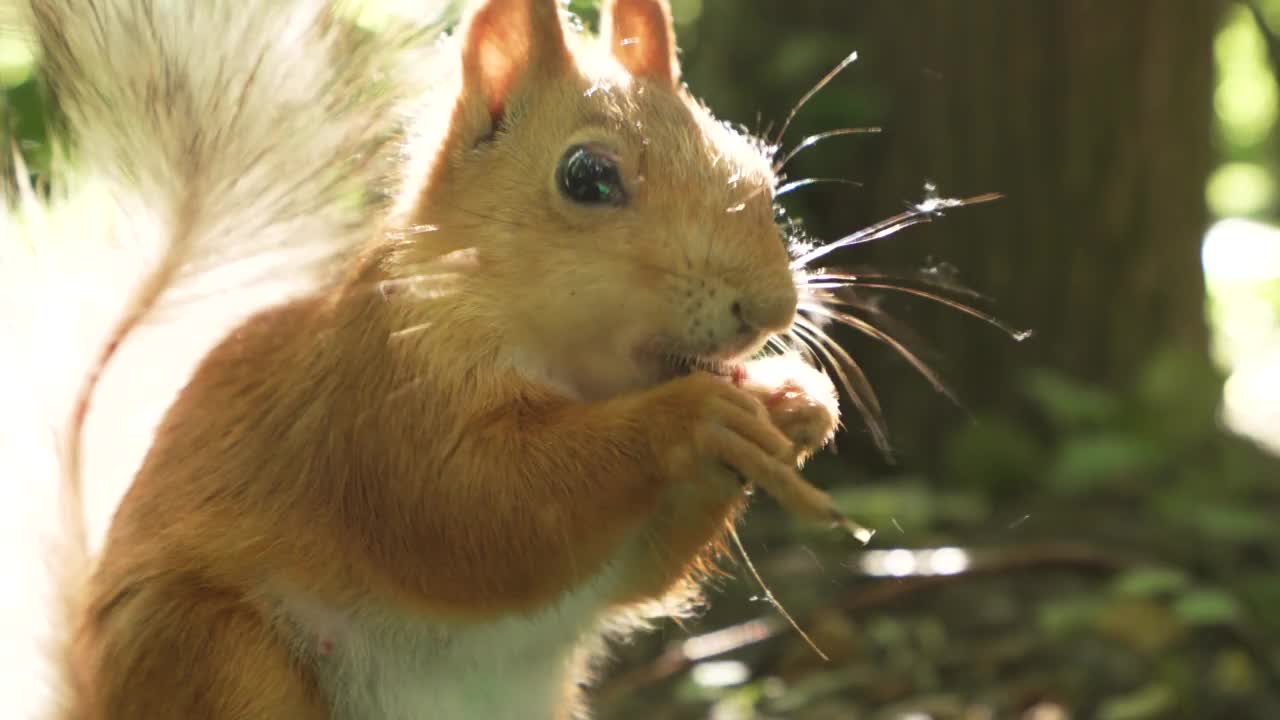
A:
[520, 415]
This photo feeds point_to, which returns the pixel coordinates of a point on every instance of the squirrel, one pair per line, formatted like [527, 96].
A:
[519, 414]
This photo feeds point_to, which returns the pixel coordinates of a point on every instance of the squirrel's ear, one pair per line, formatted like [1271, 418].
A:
[643, 38]
[508, 42]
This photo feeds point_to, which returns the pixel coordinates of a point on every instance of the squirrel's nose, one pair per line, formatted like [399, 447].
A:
[765, 313]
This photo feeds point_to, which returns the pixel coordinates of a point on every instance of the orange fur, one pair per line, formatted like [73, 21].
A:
[475, 420]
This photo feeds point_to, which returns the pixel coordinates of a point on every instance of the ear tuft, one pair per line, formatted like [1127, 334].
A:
[508, 42]
[642, 37]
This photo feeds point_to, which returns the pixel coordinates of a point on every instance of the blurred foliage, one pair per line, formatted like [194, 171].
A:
[24, 114]
[1163, 603]
[1121, 544]
[1246, 106]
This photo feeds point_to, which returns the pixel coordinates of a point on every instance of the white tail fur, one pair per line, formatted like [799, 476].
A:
[227, 144]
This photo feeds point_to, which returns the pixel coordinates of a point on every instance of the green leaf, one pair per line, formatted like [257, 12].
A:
[1147, 626]
[1179, 393]
[992, 452]
[911, 505]
[1152, 701]
[1066, 616]
[1234, 672]
[1262, 593]
[1149, 582]
[1090, 462]
[1070, 404]
[1232, 522]
[1207, 606]
[907, 504]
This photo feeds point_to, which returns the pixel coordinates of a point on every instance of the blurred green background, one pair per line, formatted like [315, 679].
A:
[1095, 531]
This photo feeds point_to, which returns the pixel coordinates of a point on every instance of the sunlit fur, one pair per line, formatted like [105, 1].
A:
[589, 299]
[425, 488]
[428, 486]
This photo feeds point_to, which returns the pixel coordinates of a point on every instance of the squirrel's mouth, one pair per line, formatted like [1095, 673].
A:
[669, 360]
[676, 365]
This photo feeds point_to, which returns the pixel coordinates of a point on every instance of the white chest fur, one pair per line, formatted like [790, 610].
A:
[377, 664]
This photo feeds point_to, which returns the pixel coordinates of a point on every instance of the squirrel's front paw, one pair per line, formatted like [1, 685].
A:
[801, 400]
[708, 438]
[706, 423]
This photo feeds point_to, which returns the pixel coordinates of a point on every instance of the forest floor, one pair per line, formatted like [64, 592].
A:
[1137, 587]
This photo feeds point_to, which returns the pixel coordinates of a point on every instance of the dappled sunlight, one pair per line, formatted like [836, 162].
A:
[1245, 99]
[1242, 269]
[720, 673]
[1252, 399]
[906, 563]
[1240, 188]
[1241, 256]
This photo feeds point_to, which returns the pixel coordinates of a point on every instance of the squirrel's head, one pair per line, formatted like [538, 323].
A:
[615, 230]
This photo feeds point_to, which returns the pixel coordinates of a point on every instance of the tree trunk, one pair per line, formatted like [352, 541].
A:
[1092, 117]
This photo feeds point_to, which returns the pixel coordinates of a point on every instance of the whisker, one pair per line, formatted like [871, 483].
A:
[808, 351]
[831, 75]
[884, 281]
[881, 229]
[921, 213]
[776, 344]
[934, 205]
[816, 138]
[766, 128]
[769, 596]
[811, 338]
[790, 343]
[786, 342]
[854, 277]
[860, 392]
[867, 328]
[1012, 332]
[797, 184]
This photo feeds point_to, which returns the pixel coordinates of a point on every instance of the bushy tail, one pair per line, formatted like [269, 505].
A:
[235, 140]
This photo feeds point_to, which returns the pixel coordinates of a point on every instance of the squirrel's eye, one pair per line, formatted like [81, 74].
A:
[589, 177]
